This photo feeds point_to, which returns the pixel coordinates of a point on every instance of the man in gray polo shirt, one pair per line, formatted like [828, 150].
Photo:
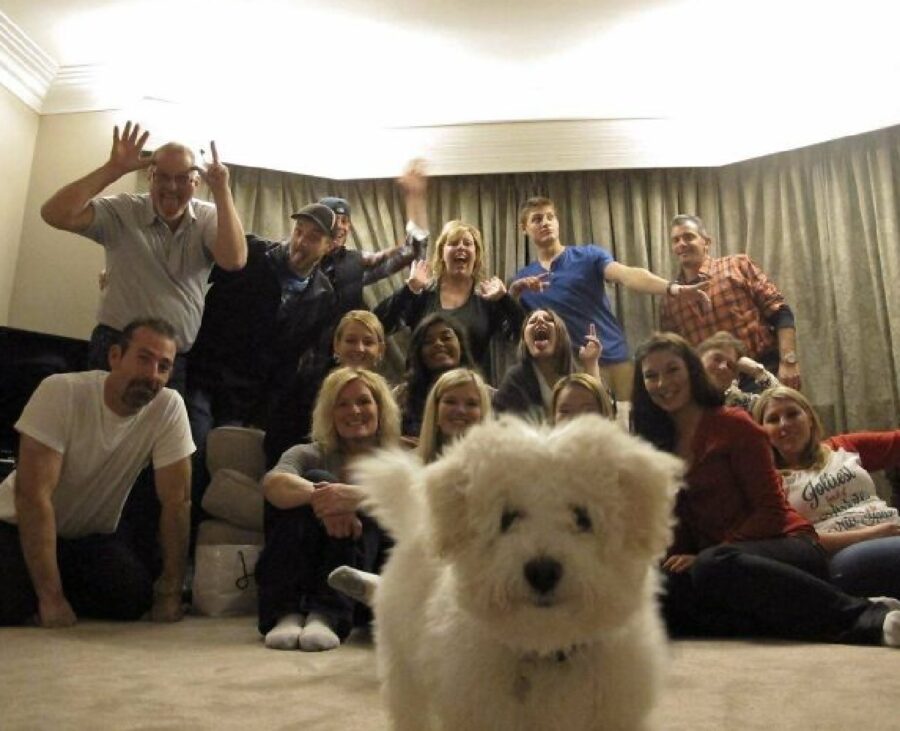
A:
[160, 246]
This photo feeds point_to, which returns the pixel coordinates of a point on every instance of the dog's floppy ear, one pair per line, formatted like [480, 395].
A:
[445, 489]
[648, 481]
[388, 478]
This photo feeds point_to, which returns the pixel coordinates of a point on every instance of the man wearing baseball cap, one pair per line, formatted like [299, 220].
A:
[350, 270]
[258, 323]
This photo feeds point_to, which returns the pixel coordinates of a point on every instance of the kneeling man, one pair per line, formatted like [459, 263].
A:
[85, 437]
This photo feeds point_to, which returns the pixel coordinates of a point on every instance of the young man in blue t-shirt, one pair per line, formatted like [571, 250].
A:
[570, 280]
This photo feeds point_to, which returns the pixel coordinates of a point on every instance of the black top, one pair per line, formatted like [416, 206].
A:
[259, 321]
[520, 392]
[481, 318]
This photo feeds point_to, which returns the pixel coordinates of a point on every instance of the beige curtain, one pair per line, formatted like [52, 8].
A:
[823, 222]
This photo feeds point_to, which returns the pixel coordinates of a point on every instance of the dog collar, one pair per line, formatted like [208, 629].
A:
[522, 682]
[560, 655]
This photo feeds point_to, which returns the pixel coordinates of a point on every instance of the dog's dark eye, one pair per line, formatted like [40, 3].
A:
[582, 519]
[508, 518]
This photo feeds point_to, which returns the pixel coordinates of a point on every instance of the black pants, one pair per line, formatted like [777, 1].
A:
[103, 577]
[292, 571]
[771, 588]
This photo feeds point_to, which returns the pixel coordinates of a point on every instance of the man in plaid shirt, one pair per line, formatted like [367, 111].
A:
[745, 302]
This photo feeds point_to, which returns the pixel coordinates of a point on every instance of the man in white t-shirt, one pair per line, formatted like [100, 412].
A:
[85, 438]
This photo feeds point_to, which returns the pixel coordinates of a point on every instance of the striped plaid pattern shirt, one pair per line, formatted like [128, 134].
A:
[743, 299]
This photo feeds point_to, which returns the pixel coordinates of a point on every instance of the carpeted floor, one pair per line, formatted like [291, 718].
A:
[215, 674]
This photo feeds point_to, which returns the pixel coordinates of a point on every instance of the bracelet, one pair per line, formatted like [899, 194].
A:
[669, 286]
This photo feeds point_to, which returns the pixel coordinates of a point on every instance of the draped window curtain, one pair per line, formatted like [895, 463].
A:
[823, 222]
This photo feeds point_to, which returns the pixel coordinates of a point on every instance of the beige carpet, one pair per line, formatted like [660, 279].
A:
[215, 674]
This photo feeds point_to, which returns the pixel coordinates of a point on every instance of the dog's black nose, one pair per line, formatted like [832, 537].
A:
[543, 573]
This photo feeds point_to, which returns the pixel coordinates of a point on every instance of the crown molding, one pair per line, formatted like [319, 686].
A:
[25, 69]
[84, 88]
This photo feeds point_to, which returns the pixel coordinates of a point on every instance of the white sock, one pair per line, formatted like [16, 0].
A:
[317, 634]
[891, 629]
[285, 635]
[891, 602]
[356, 584]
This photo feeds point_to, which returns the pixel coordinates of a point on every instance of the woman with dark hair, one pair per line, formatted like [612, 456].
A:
[743, 561]
[828, 482]
[545, 356]
[438, 344]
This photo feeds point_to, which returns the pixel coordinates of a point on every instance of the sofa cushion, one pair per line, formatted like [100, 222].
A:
[234, 497]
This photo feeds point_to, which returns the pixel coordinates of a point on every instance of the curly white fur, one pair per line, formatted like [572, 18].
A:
[520, 594]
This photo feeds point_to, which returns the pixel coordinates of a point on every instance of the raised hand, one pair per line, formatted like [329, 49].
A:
[420, 275]
[215, 174]
[125, 154]
[491, 289]
[414, 180]
[589, 353]
[537, 283]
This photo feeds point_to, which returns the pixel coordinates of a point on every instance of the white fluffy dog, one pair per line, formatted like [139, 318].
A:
[520, 594]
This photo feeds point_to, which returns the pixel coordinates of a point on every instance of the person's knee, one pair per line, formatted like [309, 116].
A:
[713, 565]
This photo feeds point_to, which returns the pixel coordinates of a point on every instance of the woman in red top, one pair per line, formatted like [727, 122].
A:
[743, 561]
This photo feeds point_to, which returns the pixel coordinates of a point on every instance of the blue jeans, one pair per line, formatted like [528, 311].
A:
[868, 568]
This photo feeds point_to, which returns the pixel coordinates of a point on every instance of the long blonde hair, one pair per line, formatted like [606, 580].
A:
[815, 454]
[431, 441]
[323, 432]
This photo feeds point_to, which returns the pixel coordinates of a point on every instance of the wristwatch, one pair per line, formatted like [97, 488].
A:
[790, 357]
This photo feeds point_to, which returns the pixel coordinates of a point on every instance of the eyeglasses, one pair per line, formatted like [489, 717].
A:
[182, 180]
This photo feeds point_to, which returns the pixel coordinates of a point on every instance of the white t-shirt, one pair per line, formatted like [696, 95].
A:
[841, 496]
[103, 453]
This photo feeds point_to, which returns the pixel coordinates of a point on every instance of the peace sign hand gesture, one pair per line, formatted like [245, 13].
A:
[215, 175]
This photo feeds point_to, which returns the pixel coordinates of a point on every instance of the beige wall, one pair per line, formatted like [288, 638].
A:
[20, 128]
[55, 289]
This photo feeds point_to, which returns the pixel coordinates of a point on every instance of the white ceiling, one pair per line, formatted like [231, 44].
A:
[352, 88]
